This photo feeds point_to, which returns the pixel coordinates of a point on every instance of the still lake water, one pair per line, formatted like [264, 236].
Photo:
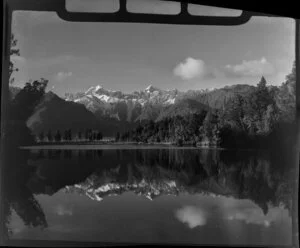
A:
[192, 196]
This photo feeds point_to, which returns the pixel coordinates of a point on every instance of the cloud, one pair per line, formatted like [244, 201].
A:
[15, 58]
[255, 215]
[251, 216]
[250, 68]
[61, 210]
[63, 75]
[192, 216]
[192, 68]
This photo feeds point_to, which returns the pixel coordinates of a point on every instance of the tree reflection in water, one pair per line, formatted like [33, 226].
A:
[153, 172]
[17, 196]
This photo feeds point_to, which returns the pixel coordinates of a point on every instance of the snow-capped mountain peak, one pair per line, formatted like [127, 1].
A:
[98, 87]
[93, 89]
[122, 106]
[149, 88]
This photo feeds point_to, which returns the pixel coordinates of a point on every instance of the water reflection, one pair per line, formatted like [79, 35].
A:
[97, 174]
[191, 215]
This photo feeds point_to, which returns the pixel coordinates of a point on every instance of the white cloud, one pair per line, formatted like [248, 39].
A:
[62, 210]
[192, 216]
[251, 216]
[16, 58]
[255, 215]
[63, 75]
[191, 68]
[250, 68]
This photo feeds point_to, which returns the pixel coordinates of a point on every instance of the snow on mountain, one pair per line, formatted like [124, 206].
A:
[121, 106]
[149, 190]
[151, 103]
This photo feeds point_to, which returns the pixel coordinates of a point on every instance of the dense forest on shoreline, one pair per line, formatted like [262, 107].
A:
[263, 117]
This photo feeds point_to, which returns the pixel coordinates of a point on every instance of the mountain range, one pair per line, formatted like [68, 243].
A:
[111, 111]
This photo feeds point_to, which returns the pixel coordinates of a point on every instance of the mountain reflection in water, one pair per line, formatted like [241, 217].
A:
[213, 189]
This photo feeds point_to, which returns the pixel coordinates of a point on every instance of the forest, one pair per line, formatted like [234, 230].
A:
[262, 117]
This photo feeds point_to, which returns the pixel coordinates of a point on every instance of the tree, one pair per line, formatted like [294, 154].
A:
[66, 135]
[94, 136]
[41, 136]
[79, 135]
[99, 136]
[286, 97]
[237, 111]
[49, 136]
[208, 123]
[270, 118]
[117, 136]
[24, 103]
[13, 51]
[22, 106]
[69, 134]
[91, 136]
[179, 142]
[87, 134]
[57, 136]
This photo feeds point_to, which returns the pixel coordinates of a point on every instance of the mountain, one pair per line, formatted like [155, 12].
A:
[153, 103]
[182, 107]
[123, 107]
[217, 98]
[112, 111]
[55, 113]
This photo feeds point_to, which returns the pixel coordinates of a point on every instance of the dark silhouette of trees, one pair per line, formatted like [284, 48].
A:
[57, 136]
[21, 107]
[252, 119]
[286, 97]
[79, 135]
[41, 136]
[49, 136]
[99, 136]
[68, 135]
[13, 51]
[23, 104]
[118, 135]
[88, 134]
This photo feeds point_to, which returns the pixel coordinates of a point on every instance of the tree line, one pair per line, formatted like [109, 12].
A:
[68, 135]
[262, 117]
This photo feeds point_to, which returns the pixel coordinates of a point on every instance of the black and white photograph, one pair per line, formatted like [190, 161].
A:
[147, 132]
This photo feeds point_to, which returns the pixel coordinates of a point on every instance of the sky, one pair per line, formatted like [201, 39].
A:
[120, 56]
[184, 218]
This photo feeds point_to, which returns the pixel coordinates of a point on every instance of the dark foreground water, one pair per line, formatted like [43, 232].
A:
[189, 196]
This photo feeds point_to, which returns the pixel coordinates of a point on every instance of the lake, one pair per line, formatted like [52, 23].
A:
[149, 195]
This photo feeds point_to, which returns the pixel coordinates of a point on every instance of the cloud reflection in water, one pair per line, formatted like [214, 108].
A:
[192, 216]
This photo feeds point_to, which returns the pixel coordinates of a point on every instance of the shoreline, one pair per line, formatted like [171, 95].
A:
[123, 145]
